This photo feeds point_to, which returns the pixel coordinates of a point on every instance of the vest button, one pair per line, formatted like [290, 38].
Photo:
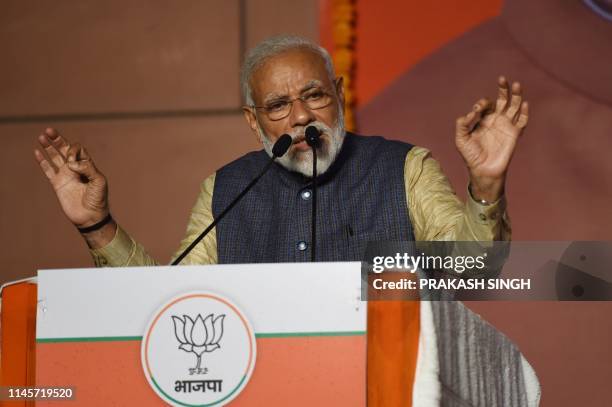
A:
[306, 194]
[301, 246]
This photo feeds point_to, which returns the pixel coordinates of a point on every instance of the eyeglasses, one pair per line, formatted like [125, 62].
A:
[314, 99]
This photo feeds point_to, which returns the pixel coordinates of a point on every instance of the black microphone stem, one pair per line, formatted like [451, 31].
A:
[278, 150]
[312, 135]
[222, 214]
[314, 204]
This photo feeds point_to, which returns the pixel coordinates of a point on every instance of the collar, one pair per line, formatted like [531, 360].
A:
[567, 40]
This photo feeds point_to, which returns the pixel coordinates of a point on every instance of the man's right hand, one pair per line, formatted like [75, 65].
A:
[81, 189]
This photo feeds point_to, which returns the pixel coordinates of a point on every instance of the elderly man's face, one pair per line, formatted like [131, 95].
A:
[285, 77]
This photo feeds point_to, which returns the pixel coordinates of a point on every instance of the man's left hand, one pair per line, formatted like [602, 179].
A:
[486, 138]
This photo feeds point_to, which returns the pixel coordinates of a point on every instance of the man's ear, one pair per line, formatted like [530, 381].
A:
[340, 90]
[249, 115]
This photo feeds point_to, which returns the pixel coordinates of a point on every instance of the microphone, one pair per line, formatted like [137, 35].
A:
[313, 139]
[281, 146]
[313, 136]
[278, 150]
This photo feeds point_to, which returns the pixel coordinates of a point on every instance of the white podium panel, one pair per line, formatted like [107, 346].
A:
[183, 334]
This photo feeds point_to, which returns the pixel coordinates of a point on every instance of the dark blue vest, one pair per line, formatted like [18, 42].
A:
[360, 198]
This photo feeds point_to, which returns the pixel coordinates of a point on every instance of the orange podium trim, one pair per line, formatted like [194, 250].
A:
[393, 345]
[18, 337]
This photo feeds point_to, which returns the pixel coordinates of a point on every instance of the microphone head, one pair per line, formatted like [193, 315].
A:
[312, 136]
[282, 145]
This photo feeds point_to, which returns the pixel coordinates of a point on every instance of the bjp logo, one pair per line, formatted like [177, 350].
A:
[219, 335]
[199, 336]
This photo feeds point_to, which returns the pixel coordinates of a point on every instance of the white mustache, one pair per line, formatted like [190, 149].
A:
[299, 135]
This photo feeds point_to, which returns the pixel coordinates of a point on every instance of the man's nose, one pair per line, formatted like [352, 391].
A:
[300, 115]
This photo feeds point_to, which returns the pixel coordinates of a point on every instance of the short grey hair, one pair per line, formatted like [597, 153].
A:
[273, 46]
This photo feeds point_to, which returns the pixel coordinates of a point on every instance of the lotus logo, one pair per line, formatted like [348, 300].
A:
[199, 336]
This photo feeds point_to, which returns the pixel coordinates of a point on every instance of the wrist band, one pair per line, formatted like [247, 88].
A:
[480, 201]
[96, 226]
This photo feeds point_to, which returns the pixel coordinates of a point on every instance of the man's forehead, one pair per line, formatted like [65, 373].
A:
[297, 68]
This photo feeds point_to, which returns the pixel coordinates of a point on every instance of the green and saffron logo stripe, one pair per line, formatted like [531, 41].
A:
[257, 335]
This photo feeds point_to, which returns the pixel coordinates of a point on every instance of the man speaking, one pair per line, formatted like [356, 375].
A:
[367, 188]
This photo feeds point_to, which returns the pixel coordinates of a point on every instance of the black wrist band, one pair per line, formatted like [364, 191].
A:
[96, 226]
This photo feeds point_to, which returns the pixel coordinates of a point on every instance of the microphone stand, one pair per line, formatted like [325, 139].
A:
[313, 140]
[314, 204]
[280, 148]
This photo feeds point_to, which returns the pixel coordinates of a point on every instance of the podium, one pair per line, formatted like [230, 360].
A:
[115, 335]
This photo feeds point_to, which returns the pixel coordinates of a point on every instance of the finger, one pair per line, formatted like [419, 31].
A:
[83, 155]
[85, 168]
[462, 128]
[502, 95]
[465, 124]
[515, 101]
[483, 106]
[56, 158]
[523, 116]
[47, 168]
[73, 152]
[80, 161]
[60, 143]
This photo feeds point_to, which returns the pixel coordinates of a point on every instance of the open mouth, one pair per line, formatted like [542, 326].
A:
[301, 145]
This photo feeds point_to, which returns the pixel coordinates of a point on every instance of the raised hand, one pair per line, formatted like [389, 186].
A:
[81, 189]
[487, 136]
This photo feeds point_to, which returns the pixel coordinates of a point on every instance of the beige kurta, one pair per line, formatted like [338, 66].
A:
[435, 211]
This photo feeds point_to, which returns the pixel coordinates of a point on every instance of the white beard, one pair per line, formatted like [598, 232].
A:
[301, 161]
